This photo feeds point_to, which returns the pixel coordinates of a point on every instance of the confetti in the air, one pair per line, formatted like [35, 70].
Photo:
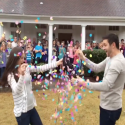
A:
[90, 55]
[21, 21]
[51, 18]
[90, 35]
[54, 28]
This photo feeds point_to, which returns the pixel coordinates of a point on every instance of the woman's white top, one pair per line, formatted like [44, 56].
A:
[23, 96]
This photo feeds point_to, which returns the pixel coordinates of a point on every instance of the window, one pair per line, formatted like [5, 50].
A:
[14, 25]
[65, 26]
[41, 26]
[15, 34]
[114, 28]
[90, 27]
[89, 37]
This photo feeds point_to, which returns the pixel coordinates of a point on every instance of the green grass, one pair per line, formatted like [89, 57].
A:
[88, 113]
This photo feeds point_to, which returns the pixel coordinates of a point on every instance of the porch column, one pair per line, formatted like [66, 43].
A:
[1, 31]
[50, 42]
[83, 35]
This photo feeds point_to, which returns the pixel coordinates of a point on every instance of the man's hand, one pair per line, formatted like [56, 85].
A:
[78, 81]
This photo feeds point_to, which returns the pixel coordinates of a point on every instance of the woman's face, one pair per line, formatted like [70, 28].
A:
[54, 42]
[58, 43]
[21, 60]
[75, 47]
[4, 47]
[29, 43]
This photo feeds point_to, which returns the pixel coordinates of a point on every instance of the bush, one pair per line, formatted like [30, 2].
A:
[40, 64]
[98, 55]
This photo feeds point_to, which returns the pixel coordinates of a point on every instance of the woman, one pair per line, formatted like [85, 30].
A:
[45, 54]
[3, 59]
[17, 76]
[54, 52]
[70, 50]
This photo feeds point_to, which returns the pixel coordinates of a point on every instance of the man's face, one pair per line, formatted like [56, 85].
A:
[107, 47]
[15, 39]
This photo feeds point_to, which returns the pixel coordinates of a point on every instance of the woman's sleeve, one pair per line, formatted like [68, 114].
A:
[17, 87]
[42, 68]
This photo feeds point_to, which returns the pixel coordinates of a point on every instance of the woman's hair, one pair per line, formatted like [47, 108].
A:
[14, 57]
[3, 45]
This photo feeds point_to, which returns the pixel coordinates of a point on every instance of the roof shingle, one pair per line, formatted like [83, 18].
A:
[64, 7]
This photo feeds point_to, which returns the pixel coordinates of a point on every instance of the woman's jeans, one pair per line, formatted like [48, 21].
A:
[29, 118]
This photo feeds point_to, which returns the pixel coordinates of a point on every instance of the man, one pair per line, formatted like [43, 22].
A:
[111, 87]
[38, 51]
[95, 45]
[14, 43]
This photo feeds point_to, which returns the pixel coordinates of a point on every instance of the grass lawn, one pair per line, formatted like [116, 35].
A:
[88, 113]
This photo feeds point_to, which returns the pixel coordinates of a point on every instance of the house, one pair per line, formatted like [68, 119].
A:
[81, 20]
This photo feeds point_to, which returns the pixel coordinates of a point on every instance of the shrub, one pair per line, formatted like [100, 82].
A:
[98, 55]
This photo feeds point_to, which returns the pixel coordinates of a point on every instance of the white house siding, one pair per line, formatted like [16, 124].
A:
[30, 31]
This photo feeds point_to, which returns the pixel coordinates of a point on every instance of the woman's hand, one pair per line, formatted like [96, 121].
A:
[80, 53]
[60, 62]
[23, 68]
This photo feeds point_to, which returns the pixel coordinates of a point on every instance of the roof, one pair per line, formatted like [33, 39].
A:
[108, 8]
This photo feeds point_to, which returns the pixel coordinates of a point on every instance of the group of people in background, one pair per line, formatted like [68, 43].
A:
[122, 47]
[37, 51]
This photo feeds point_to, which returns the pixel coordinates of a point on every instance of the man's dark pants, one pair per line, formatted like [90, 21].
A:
[108, 117]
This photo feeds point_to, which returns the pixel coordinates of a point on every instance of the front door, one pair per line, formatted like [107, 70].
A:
[65, 37]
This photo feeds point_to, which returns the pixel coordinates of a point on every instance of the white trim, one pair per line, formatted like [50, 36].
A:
[97, 21]
[50, 43]
[83, 37]
[84, 23]
[85, 17]
[75, 18]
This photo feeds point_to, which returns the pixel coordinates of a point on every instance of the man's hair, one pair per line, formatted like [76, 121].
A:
[112, 38]
[122, 39]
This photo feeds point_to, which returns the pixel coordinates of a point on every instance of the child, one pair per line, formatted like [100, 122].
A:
[9, 46]
[75, 55]
[70, 50]
[62, 52]
[29, 54]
